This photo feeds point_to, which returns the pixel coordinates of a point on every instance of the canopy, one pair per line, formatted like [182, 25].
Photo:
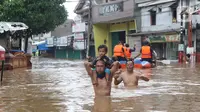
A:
[2, 49]
[12, 26]
[38, 43]
[42, 47]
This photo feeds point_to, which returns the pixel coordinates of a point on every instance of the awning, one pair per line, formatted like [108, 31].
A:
[12, 26]
[166, 4]
[153, 32]
[43, 47]
[155, 3]
[38, 43]
[149, 8]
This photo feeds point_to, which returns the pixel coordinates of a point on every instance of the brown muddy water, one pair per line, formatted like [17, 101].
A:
[54, 85]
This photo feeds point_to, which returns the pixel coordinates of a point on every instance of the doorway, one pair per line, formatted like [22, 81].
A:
[116, 37]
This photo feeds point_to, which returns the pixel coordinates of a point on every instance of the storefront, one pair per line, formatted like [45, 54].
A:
[165, 45]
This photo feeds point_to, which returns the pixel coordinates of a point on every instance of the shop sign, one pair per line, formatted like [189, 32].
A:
[157, 39]
[50, 41]
[62, 41]
[172, 38]
[111, 8]
[54, 41]
[181, 47]
[79, 41]
[78, 27]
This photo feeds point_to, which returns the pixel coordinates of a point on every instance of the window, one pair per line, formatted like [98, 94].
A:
[153, 17]
[174, 16]
[159, 9]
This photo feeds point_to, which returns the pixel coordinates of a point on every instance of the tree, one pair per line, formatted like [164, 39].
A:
[40, 15]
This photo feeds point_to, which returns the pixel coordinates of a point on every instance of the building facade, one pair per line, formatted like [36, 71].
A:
[63, 42]
[194, 6]
[82, 11]
[112, 21]
[160, 25]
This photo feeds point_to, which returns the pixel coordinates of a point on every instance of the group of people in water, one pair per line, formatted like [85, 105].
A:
[102, 69]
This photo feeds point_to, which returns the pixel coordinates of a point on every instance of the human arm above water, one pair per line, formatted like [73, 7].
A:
[133, 50]
[117, 79]
[115, 67]
[141, 77]
[88, 68]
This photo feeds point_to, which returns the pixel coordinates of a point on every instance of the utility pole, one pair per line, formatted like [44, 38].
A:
[89, 27]
[181, 45]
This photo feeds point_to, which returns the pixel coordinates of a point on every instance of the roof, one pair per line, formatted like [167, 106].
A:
[38, 43]
[12, 26]
[154, 32]
[150, 3]
[79, 5]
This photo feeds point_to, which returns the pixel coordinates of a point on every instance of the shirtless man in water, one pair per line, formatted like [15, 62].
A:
[104, 87]
[129, 77]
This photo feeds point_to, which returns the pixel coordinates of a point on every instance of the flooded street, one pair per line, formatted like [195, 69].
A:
[63, 86]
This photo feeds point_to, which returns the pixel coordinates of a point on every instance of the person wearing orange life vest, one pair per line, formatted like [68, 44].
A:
[119, 54]
[128, 51]
[146, 52]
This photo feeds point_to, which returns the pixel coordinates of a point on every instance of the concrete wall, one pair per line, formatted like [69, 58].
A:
[101, 33]
[163, 20]
[195, 18]
[63, 30]
[128, 7]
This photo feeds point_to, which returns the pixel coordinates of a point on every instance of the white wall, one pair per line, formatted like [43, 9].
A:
[163, 20]
[41, 37]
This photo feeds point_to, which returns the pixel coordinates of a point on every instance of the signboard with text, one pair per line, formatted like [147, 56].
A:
[62, 41]
[111, 8]
[50, 42]
[172, 38]
[157, 39]
[78, 27]
[79, 41]
[164, 38]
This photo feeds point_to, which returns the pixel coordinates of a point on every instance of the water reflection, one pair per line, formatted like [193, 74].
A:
[102, 104]
[63, 86]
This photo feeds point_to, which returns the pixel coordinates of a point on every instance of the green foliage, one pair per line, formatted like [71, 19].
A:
[40, 15]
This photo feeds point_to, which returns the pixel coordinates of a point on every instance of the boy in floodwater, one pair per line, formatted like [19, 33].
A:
[102, 51]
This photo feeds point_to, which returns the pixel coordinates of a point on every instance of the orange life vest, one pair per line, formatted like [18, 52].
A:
[118, 51]
[146, 52]
[127, 52]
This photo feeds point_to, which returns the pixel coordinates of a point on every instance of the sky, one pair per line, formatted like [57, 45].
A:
[70, 8]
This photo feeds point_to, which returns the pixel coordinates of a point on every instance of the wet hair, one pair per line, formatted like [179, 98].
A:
[103, 47]
[127, 45]
[145, 43]
[102, 60]
[131, 60]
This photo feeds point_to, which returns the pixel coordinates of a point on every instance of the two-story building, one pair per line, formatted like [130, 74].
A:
[160, 25]
[194, 6]
[112, 21]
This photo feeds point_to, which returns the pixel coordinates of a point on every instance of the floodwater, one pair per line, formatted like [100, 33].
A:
[63, 86]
